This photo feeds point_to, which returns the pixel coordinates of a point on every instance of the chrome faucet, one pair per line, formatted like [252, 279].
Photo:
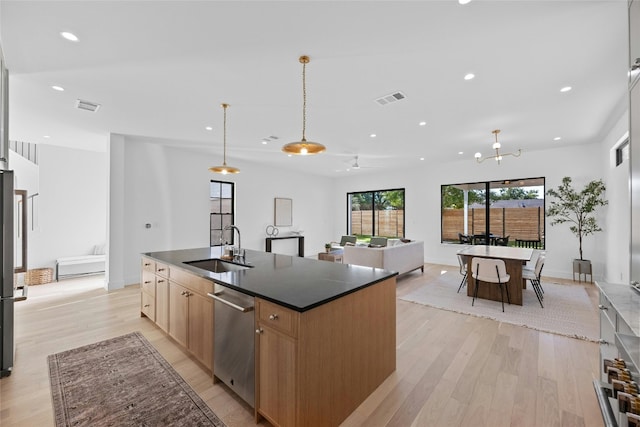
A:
[240, 253]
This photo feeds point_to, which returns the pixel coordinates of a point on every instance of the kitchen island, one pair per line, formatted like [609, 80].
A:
[325, 333]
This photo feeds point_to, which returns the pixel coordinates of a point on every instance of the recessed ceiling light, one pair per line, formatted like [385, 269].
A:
[469, 76]
[46, 136]
[373, 135]
[461, 152]
[421, 158]
[557, 138]
[464, 1]
[264, 142]
[422, 123]
[289, 155]
[209, 128]
[58, 88]
[566, 89]
[69, 36]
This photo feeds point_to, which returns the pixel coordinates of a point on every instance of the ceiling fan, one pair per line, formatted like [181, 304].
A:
[356, 165]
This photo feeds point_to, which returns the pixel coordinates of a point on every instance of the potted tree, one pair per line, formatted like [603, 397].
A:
[577, 208]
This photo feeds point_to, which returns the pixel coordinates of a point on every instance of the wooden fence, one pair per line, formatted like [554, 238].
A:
[389, 223]
[517, 223]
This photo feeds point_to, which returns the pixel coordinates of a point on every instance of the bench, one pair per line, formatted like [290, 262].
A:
[533, 244]
[81, 265]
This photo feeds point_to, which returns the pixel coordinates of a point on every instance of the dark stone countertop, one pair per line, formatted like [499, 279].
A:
[294, 282]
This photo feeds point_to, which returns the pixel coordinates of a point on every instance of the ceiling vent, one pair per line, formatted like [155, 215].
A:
[86, 105]
[388, 99]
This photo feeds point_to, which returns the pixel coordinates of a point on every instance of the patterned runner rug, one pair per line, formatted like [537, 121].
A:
[122, 381]
[567, 309]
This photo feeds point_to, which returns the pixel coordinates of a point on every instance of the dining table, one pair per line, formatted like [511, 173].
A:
[514, 259]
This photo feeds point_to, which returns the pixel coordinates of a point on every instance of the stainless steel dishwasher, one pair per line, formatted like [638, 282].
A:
[234, 335]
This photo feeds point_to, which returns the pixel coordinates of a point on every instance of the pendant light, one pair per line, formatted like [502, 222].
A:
[496, 146]
[303, 147]
[224, 169]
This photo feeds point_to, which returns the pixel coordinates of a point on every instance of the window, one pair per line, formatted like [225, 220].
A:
[222, 201]
[376, 213]
[510, 212]
[622, 153]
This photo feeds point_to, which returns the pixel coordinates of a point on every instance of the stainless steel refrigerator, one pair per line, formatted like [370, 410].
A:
[6, 276]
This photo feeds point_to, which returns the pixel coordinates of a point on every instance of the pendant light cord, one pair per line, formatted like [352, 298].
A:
[224, 136]
[304, 60]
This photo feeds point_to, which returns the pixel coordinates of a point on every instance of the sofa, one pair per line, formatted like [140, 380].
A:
[398, 256]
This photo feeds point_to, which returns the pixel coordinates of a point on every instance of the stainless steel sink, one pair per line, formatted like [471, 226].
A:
[217, 265]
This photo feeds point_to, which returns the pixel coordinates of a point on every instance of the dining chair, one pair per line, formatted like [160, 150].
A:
[490, 271]
[532, 265]
[502, 241]
[534, 278]
[462, 261]
[465, 239]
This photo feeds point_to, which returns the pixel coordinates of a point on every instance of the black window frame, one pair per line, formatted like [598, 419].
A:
[487, 203]
[226, 236]
[373, 192]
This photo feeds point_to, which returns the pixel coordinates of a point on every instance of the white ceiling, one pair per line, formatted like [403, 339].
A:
[161, 70]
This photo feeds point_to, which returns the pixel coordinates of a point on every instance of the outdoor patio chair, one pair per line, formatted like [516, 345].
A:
[465, 239]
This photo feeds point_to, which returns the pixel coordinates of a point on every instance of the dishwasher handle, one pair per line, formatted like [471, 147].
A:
[230, 304]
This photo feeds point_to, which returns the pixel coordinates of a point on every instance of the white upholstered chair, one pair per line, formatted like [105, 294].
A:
[490, 271]
[462, 261]
[534, 278]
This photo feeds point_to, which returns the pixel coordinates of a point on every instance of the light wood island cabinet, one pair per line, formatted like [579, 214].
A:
[177, 302]
[325, 332]
[315, 367]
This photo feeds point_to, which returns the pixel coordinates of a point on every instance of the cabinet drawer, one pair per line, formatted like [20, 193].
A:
[148, 264]
[278, 317]
[148, 283]
[148, 306]
[607, 310]
[162, 269]
[192, 282]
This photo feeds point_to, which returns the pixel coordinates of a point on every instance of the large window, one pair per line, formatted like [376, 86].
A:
[376, 213]
[509, 212]
[222, 198]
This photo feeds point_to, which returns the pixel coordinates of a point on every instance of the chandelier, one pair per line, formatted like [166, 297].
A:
[224, 169]
[303, 147]
[496, 146]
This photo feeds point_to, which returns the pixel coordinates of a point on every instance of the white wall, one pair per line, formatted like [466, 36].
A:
[422, 199]
[617, 226]
[71, 204]
[169, 189]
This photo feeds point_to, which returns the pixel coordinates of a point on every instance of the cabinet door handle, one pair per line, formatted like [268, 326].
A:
[183, 293]
[635, 65]
[259, 331]
[161, 269]
[160, 280]
[146, 264]
[273, 317]
[602, 307]
[601, 341]
[146, 282]
[146, 305]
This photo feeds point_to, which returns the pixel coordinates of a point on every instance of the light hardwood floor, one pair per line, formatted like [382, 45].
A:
[452, 369]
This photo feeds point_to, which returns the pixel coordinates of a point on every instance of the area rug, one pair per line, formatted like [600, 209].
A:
[567, 309]
[122, 381]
